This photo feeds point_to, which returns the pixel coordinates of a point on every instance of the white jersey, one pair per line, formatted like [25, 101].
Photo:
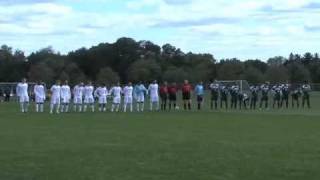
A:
[65, 91]
[22, 90]
[101, 92]
[39, 91]
[154, 90]
[88, 91]
[56, 91]
[116, 91]
[128, 91]
[78, 91]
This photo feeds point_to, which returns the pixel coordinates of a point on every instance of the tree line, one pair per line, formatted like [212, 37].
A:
[131, 60]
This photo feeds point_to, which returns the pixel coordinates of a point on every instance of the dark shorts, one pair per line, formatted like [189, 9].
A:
[199, 98]
[186, 96]
[264, 98]
[164, 97]
[172, 97]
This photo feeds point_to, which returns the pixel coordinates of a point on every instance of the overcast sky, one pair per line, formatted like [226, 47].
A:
[225, 28]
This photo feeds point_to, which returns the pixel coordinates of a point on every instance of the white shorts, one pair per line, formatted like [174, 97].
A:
[24, 99]
[77, 100]
[55, 100]
[39, 99]
[140, 99]
[117, 100]
[89, 100]
[154, 99]
[128, 100]
[65, 100]
[103, 100]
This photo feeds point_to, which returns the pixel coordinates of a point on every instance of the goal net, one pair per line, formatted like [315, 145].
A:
[243, 84]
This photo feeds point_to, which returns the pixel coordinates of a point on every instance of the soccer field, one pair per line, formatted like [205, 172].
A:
[206, 145]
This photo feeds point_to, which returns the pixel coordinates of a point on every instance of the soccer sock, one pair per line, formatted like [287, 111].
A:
[142, 107]
[199, 106]
[112, 108]
[189, 106]
[131, 107]
[151, 104]
[157, 106]
[174, 105]
[41, 107]
[62, 108]
[85, 108]
[51, 108]
[67, 108]
[80, 108]
[138, 108]
[117, 107]
[26, 106]
[104, 107]
[125, 107]
[58, 108]
[185, 106]
[92, 107]
[169, 106]
[75, 108]
[37, 107]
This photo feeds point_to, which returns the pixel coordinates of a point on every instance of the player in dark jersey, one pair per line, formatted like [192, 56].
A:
[214, 88]
[296, 94]
[285, 95]
[276, 96]
[254, 97]
[234, 92]
[264, 95]
[172, 89]
[164, 96]
[224, 92]
[306, 89]
[186, 95]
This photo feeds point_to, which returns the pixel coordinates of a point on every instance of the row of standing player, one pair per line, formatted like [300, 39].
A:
[61, 96]
[280, 94]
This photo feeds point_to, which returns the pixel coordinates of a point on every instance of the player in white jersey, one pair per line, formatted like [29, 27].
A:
[88, 97]
[154, 95]
[39, 95]
[128, 97]
[139, 92]
[116, 93]
[78, 97]
[65, 97]
[22, 94]
[55, 97]
[101, 93]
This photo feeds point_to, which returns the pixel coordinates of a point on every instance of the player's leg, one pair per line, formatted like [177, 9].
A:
[308, 101]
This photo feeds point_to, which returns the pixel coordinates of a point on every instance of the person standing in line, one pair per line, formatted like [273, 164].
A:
[214, 88]
[55, 97]
[101, 93]
[172, 90]
[78, 97]
[22, 94]
[40, 96]
[186, 95]
[154, 95]
[128, 97]
[116, 93]
[164, 96]
[306, 89]
[140, 91]
[88, 97]
[65, 97]
[199, 91]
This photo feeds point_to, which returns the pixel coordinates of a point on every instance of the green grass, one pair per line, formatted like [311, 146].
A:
[249, 145]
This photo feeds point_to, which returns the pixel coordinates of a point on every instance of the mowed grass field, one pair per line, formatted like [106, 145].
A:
[206, 145]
